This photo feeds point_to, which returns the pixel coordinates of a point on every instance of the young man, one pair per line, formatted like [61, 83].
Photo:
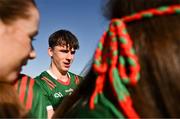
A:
[57, 82]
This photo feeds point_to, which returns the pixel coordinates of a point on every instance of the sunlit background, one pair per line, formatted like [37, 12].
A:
[84, 18]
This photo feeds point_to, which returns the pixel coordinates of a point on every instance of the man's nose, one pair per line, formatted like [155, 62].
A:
[69, 56]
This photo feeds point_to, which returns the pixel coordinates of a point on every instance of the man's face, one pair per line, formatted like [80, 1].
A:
[62, 57]
[16, 45]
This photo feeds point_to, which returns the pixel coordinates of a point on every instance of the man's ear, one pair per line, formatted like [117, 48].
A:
[50, 51]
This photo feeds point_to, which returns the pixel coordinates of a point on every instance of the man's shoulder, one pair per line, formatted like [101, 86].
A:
[44, 73]
[39, 80]
[44, 78]
[76, 78]
[73, 74]
[44, 81]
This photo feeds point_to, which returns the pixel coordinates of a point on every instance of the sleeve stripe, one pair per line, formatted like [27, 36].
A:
[18, 85]
[22, 88]
[27, 89]
[30, 95]
[52, 84]
[76, 80]
[48, 82]
[49, 85]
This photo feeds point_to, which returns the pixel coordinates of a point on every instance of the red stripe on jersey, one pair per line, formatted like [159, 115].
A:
[22, 89]
[49, 85]
[30, 95]
[64, 83]
[48, 82]
[76, 80]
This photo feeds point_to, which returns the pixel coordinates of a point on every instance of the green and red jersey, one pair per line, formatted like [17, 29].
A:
[54, 90]
[24, 86]
[32, 96]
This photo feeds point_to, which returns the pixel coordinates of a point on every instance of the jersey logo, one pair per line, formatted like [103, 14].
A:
[58, 95]
[69, 91]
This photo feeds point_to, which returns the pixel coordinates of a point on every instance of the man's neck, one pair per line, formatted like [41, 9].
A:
[60, 76]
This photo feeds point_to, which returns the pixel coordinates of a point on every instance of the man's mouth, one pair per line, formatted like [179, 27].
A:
[67, 65]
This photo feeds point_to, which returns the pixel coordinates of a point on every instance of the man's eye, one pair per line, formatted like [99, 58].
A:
[64, 51]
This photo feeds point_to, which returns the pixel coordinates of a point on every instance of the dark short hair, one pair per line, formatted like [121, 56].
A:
[63, 37]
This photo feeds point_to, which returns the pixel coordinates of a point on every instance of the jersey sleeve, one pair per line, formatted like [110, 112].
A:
[24, 87]
[31, 95]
